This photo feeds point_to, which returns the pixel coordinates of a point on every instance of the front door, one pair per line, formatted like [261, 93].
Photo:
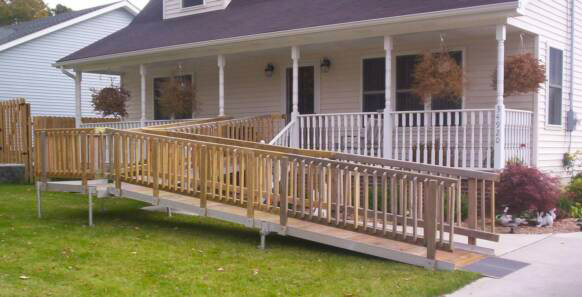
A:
[306, 90]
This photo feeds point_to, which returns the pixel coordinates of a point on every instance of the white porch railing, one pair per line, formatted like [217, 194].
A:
[352, 133]
[518, 135]
[452, 138]
[130, 124]
[285, 138]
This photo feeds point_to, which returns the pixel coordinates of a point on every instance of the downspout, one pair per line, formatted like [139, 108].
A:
[67, 73]
[571, 120]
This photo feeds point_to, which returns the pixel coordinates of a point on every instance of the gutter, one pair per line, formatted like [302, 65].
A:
[511, 6]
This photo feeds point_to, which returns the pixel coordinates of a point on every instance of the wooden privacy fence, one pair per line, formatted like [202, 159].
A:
[53, 122]
[15, 135]
[405, 205]
[255, 129]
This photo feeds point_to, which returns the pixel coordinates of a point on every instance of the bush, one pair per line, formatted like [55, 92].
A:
[564, 206]
[526, 189]
[574, 189]
[576, 210]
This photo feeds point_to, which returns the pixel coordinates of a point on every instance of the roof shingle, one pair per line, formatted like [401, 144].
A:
[13, 32]
[249, 17]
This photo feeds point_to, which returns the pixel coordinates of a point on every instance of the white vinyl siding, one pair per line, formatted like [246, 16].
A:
[175, 8]
[26, 70]
[248, 91]
[550, 19]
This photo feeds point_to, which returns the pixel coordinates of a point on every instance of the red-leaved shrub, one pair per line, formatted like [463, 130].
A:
[526, 189]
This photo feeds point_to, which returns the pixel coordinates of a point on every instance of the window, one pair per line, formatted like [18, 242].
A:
[190, 3]
[158, 85]
[374, 83]
[555, 89]
[406, 100]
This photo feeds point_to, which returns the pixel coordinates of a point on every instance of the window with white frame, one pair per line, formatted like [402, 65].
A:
[555, 94]
[191, 3]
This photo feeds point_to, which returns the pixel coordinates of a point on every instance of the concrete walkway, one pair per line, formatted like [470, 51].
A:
[555, 270]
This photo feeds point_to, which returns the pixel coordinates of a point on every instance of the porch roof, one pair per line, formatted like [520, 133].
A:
[245, 18]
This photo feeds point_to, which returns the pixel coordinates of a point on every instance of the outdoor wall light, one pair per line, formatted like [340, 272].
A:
[325, 65]
[269, 70]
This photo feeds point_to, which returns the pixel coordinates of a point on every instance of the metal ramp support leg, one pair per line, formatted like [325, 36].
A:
[90, 192]
[264, 232]
[39, 187]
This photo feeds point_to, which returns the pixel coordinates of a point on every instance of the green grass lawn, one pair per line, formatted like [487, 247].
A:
[132, 252]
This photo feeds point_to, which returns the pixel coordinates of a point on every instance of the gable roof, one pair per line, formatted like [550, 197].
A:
[244, 18]
[13, 35]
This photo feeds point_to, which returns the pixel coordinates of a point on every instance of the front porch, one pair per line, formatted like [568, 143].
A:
[353, 96]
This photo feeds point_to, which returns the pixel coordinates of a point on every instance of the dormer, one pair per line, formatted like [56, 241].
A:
[180, 8]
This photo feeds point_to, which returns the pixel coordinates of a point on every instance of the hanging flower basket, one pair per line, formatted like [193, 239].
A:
[177, 97]
[523, 74]
[438, 75]
[110, 101]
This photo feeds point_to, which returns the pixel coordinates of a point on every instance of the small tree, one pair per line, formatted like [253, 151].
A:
[111, 101]
[526, 189]
[177, 97]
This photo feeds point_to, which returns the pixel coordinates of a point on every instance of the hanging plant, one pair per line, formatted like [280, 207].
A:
[438, 75]
[177, 97]
[523, 74]
[110, 101]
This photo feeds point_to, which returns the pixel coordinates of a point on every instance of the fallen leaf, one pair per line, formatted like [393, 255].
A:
[220, 269]
[24, 277]
[255, 271]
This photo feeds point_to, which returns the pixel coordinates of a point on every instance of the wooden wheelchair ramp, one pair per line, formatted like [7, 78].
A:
[269, 223]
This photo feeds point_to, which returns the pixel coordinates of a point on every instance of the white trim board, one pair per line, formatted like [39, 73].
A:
[123, 4]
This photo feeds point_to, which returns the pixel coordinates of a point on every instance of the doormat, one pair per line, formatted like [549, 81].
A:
[495, 267]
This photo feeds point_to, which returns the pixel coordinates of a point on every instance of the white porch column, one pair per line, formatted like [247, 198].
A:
[78, 112]
[221, 65]
[295, 55]
[500, 106]
[388, 46]
[143, 91]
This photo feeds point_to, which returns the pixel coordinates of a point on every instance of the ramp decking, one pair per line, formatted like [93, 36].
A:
[270, 223]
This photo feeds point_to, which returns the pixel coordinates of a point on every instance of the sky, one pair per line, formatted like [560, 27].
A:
[82, 4]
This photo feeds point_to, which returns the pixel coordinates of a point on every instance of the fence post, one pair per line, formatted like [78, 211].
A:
[117, 161]
[430, 217]
[294, 133]
[43, 157]
[251, 176]
[284, 191]
[203, 178]
[84, 161]
[155, 168]
[472, 217]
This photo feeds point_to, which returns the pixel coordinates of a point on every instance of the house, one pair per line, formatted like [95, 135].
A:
[332, 65]
[28, 49]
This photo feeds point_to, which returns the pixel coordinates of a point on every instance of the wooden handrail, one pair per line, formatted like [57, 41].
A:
[371, 195]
